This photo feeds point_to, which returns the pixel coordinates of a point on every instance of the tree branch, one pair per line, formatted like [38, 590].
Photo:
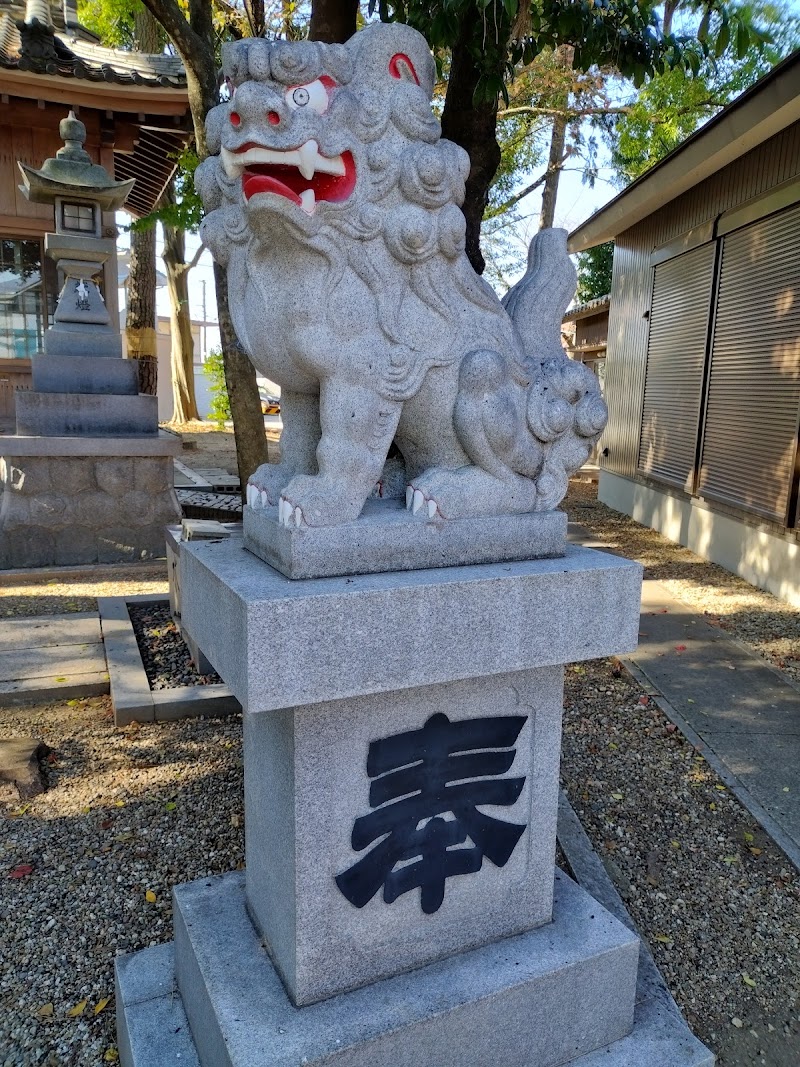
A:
[515, 199]
[569, 113]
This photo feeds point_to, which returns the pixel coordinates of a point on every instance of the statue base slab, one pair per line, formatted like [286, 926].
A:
[549, 996]
[387, 537]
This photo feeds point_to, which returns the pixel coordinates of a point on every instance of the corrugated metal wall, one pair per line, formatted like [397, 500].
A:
[754, 379]
[676, 356]
[760, 170]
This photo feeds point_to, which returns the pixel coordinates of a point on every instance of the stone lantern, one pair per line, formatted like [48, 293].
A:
[88, 476]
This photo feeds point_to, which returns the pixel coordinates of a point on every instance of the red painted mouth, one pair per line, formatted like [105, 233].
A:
[286, 180]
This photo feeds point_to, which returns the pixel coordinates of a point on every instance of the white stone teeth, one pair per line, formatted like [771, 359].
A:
[307, 158]
[264, 499]
[431, 508]
[283, 507]
[251, 490]
[298, 516]
[409, 497]
[308, 201]
[419, 500]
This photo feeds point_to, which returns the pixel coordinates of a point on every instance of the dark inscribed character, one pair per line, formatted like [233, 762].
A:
[422, 816]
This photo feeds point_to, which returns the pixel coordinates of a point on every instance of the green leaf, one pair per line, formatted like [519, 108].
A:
[723, 40]
[702, 29]
[742, 40]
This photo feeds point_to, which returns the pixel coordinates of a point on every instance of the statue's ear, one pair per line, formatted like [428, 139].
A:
[385, 53]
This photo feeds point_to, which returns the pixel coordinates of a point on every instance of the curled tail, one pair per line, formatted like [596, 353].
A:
[542, 427]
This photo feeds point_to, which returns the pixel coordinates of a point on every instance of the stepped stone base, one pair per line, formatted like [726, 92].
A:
[65, 509]
[545, 998]
[85, 374]
[85, 414]
[386, 537]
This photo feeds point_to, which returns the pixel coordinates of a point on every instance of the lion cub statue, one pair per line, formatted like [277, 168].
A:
[333, 201]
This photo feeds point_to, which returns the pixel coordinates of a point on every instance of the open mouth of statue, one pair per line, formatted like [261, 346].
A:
[302, 174]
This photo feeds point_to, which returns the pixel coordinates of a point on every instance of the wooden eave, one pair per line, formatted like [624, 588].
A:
[103, 96]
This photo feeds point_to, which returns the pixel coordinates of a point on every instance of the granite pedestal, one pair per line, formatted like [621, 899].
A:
[79, 500]
[304, 958]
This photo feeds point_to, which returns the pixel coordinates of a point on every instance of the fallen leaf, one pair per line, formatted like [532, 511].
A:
[730, 860]
[663, 939]
[170, 805]
[748, 981]
[689, 700]
[22, 871]
[101, 1004]
[675, 844]
[150, 897]
[45, 1011]
[755, 851]
[748, 837]
[111, 1056]
[236, 821]
[722, 788]
[612, 745]
[617, 796]
[737, 1023]
[680, 648]
[77, 1010]
[644, 700]
[126, 835]
[119, 803]
[106, 824]
[786, 789]
[20, 811]
[71, 703]
[62, 679]
[712, 806]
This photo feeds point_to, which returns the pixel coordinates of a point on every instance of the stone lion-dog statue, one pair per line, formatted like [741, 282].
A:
[333, 201]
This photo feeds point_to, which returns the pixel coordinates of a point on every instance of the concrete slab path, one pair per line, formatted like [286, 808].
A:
[743, 710]
[52, 657]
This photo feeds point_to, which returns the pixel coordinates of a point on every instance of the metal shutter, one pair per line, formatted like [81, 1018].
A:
[676, 352]
[754, 383]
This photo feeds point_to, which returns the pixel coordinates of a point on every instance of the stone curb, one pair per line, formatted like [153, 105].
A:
[102, 571]
[652, 994]
[736, 786]
[131, 696]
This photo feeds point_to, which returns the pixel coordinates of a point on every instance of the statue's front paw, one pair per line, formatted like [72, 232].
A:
[264, 486]
[313, 501]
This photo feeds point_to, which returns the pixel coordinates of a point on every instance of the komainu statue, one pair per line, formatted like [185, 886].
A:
[334, 203]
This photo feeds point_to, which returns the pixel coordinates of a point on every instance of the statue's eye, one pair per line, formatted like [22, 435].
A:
[314, 96]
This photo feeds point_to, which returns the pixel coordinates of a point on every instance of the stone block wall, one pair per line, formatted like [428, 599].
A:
[69, 510]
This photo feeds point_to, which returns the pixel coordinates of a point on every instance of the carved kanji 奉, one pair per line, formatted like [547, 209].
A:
[411, 794]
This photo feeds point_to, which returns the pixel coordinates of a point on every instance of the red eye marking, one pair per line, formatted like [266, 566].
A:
[273, 117]
[401, 67]
[235, 118]
[328, 82]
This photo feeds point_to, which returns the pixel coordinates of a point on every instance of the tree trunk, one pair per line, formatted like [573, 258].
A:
[240, 379]
[333, 21]
[474, 127]
[566, 55]
[140, 316]
[194, 39]
[550, 191]
[184, 404]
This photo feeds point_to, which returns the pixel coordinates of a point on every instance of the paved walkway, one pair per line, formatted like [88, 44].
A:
[51, 657]
[742, 712]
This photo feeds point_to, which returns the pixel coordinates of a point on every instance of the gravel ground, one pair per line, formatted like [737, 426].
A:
[129, 813]
[165, 656]
[717, 901]
[133, 812]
